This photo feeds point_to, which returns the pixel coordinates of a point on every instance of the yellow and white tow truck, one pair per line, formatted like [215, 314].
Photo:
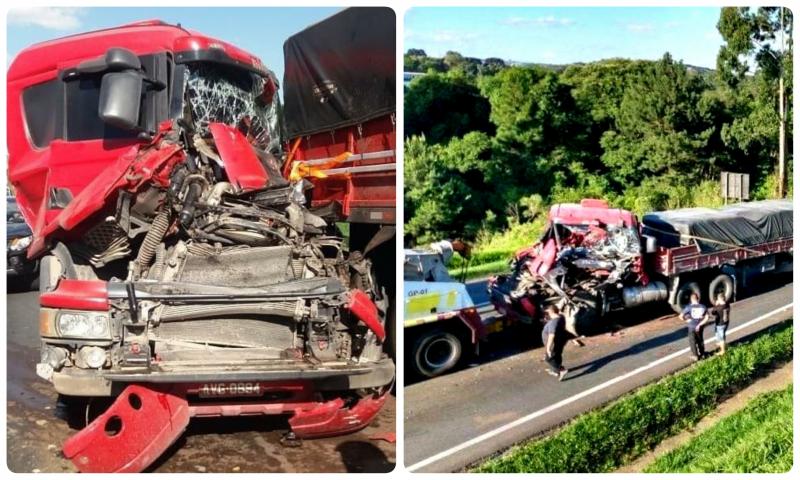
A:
[440, 319]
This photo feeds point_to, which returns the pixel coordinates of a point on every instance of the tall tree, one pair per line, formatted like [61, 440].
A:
[658, 129]
[763, 38]
[442, 106]
[453, 59]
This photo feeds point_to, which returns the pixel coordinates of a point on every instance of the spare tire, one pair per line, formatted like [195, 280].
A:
[683, 295]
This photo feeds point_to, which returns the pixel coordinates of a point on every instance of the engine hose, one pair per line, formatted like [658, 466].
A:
[158, 264]
[187, 213]
[150, 243]
[176, 183]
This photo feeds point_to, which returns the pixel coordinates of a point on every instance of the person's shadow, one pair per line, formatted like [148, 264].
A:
[363, 457]
[656, 342]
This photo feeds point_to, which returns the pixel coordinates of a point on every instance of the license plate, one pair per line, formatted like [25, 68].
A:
[232, 389]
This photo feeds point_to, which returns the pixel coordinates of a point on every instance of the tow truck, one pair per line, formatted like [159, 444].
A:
[441, 322]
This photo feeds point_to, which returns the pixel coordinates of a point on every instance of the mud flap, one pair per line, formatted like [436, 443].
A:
[334, 418]
[138, 427]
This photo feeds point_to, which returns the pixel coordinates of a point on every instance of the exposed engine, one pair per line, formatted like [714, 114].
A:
[585, 269]
[211, 255]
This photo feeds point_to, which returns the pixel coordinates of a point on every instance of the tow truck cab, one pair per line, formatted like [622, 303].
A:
[441, 322]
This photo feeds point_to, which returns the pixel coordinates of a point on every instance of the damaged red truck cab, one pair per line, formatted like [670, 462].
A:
[182, 274]
[593, 259]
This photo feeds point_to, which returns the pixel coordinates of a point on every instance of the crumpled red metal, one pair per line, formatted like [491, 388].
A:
[138, 427]
[129, 439]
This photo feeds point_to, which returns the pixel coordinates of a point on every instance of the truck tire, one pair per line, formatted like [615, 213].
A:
[682, 296]
[722, 283]
[435, 352]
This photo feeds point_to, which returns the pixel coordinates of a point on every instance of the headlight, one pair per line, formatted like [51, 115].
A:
[83, 325]
[93, 357]
[19, 244]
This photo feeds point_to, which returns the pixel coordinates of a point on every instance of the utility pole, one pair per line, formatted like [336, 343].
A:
[782, 131]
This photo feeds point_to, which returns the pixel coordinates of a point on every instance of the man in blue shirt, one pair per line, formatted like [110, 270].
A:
[696, 316]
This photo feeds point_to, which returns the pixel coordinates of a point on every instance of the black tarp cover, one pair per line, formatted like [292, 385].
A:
[741, 224]
[340, 71]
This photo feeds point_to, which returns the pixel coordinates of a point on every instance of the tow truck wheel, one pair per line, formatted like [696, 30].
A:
[684, 294]
[436, 352]
[723, 284]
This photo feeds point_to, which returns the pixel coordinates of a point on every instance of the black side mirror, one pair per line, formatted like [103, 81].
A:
[120, 99]
[115, 60]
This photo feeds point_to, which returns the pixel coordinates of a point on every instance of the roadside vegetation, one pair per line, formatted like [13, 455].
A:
[757, 439]
[489, 146]
[612, 436]
[492, 251]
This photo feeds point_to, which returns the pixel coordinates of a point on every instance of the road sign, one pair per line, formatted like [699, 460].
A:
[735, 186]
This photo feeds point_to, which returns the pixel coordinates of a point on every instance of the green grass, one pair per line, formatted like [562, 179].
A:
[482, 270]
[612, 436]
[493, 251]
[757, 439]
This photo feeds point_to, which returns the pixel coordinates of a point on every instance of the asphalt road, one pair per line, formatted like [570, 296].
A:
[494, 404]
[246, 444]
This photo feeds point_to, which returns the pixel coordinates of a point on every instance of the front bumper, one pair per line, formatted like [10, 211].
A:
[148, 419]
[323, 377]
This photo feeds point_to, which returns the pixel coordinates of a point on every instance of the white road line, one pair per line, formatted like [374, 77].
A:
[504, 428]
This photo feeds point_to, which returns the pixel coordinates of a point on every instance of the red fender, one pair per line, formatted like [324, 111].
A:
[365, 310]
[139, 437]
[333, 418]
[242, 165]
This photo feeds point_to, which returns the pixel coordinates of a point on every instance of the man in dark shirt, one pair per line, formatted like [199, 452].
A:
[721, 311]
[554, 337]
[696, 316]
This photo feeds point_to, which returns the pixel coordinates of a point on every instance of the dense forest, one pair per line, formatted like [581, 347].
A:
[489, 145]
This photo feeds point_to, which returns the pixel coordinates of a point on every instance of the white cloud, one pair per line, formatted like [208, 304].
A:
[51, 18]
[639, 27]
[549, 55]
[443, 36]
[549, 21]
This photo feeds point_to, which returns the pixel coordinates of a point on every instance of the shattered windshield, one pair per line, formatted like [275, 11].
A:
[233, 96]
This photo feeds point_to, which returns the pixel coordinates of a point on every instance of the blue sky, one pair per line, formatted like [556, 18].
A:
[567, 34]
[261, 31]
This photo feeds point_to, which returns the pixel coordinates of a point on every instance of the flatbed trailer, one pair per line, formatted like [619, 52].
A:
[678, 260]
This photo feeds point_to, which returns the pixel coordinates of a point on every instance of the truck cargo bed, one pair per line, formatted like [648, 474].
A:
[715, 230]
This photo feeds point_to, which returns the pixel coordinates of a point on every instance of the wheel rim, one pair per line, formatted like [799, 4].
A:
[438, 353]
[684, 298]
[720, 287]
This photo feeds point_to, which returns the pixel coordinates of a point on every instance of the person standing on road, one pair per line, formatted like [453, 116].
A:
[696, 316]
[722, 315]
[554, 337]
